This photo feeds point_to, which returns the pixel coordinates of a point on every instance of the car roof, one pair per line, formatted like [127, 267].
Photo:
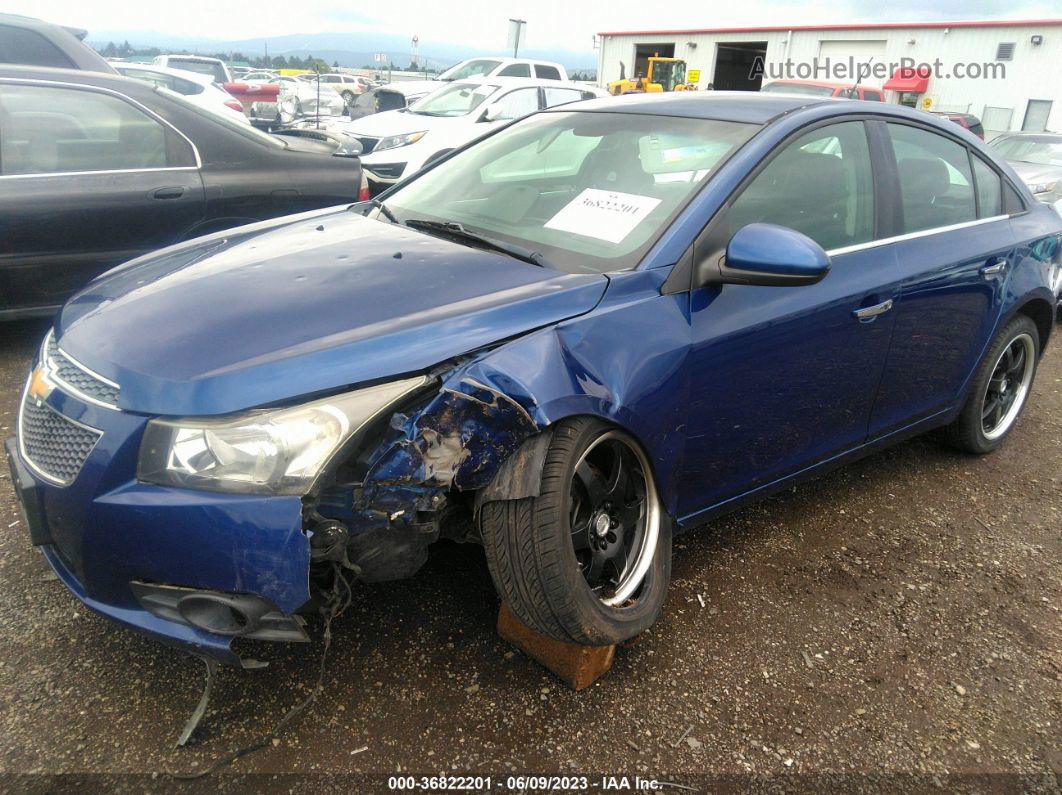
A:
[748, 106]
[1048, 137]
[820, 83]
[184, 74]
[515, 82]
[186, 57]
[32, 23]
[130, 86]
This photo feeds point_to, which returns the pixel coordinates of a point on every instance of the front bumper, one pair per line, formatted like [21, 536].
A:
[104, 534]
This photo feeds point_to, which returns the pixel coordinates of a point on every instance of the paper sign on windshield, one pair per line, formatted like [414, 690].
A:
[606, 215]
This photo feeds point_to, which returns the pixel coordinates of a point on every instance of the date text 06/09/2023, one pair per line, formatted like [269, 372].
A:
[524, 783]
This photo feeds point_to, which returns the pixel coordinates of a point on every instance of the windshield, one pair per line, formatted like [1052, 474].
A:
[669, 74]
[456, 99]
[482, 66]
[590, 192]
[797, 88]
[1035, 149]
[214, 70]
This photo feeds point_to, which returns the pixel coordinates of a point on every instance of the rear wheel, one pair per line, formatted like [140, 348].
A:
[1000, 389]
[588, 560]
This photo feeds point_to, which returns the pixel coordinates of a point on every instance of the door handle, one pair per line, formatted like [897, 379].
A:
[169, 193]
[994, 266]
[870, 312]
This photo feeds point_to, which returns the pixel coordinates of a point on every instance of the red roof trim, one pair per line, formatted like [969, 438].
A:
[995, 23]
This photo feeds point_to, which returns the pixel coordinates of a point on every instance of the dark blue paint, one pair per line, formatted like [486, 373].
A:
[776, 251]
[734, 390]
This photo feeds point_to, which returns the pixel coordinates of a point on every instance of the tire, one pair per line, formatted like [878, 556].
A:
[1000, 390]
[348, 98]
[531, 547]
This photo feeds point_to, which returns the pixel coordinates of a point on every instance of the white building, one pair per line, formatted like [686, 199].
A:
[1008, 73]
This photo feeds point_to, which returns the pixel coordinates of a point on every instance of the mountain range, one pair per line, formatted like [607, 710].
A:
[349, 49]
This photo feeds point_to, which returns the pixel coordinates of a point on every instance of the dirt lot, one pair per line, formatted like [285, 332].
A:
[898, 616]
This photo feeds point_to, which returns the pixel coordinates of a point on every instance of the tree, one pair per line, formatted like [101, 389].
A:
[280, 62]
[110, 51]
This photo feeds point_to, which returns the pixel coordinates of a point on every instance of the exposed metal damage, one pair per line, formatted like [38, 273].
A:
[396, 498]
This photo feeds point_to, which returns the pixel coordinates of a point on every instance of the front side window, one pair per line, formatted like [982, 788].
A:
[936, 187]
[820, 184]
[51, 130]
[516, 70]
[481, 66]
[517, 104]
[590, 191]
[29, 48]
[456, 99]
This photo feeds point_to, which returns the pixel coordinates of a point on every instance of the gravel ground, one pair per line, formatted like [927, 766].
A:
[900, 616]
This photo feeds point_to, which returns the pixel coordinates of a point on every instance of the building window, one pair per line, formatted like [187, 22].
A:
[1005, 51]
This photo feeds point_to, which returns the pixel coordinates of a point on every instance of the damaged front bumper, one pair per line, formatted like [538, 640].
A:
[240, 564]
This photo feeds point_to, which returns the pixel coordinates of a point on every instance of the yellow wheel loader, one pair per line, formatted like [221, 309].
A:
[662, 74]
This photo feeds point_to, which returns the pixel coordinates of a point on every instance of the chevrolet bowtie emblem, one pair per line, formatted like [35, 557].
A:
[40, 387]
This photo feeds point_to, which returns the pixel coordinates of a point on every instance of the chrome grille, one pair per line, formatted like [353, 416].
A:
[54, 445]
[77, 377]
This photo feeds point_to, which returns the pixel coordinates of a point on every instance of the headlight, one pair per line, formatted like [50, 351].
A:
[394, 141]
[278, 451]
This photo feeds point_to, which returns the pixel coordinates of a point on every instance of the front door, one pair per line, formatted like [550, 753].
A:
[785, 377]
[87, 181]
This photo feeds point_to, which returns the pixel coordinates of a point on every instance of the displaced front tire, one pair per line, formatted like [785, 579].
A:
[589, 559]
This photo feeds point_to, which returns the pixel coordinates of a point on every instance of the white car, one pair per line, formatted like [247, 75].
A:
[398, 143]
[197, 88]
[297, 98]
[401, 94]
[201, 64]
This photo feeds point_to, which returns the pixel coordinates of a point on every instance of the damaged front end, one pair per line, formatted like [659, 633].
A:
[411, 480]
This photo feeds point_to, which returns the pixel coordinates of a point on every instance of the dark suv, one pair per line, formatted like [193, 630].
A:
[967, 120]
[32, 42]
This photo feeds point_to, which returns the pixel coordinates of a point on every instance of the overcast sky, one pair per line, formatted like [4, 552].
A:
[560, 23]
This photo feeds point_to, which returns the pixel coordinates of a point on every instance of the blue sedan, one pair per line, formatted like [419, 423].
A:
[596, 327]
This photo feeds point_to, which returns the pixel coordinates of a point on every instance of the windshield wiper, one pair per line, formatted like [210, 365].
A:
[390, 216]
[456, 231]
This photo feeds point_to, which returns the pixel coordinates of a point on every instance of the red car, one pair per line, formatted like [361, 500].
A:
[822, 89]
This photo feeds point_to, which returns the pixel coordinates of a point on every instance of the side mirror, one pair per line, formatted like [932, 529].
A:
[768, 255]
[493, 113]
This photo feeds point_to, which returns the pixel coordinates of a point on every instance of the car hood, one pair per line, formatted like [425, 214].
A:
[413, 87]
[397, 122]
[1032, 173]
[276, 311]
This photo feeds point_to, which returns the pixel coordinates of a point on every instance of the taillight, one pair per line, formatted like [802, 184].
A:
[363, 191]
[231, 103]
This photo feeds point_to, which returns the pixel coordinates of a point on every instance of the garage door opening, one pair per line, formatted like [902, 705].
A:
[733, 66]
[643, 52]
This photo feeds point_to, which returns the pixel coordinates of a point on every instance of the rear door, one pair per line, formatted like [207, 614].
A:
[952, 258]
[89, 179]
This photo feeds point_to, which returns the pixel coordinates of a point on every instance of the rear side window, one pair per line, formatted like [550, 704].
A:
[936, 187]
[21, 46]
[515, 70]
[56, 130]
[547, 72]
[821, 185]
[560, 96]
[989, 189]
